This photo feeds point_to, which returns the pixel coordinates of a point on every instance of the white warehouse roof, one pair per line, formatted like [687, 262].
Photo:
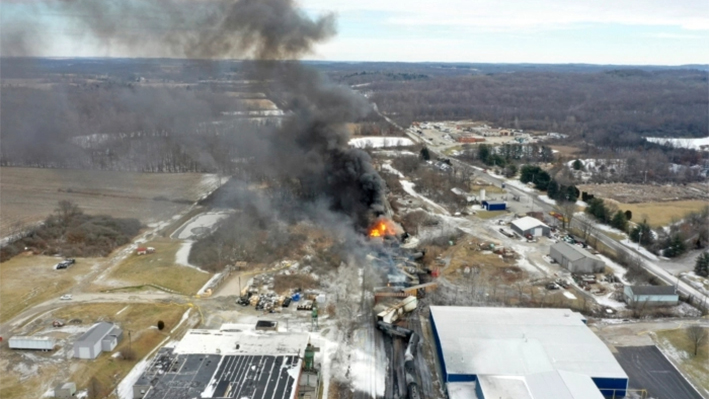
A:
[552, 350]
[242, 342]
[527, 222]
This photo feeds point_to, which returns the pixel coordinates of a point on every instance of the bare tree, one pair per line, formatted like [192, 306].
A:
[566, 209]
[697, 335]
[66, 210]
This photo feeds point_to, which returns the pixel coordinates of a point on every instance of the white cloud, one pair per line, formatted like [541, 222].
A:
[516, 14]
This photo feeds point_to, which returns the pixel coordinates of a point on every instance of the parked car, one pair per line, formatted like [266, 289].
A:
[65, 297]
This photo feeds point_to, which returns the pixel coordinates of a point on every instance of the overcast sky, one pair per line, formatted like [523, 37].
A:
[662, 32]
[546, 31]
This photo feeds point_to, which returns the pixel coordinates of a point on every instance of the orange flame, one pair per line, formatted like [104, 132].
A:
[381, 229]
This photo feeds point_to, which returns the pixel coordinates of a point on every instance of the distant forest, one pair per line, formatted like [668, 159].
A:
[607, 106]
[100, 113]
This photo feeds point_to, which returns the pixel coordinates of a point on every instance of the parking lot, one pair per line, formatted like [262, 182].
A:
[648, 368]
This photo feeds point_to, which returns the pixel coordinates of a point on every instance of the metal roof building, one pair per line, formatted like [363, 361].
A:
[576, 259]
[101, 337]
[530, 226]
[524, 353]
[650, 295]
[226, 364]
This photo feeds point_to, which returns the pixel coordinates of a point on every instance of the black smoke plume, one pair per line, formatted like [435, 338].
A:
[309, 147]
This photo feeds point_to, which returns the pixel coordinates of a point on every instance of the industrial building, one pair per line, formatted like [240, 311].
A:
[101, 337]
[494, 205]
[523, 353]
[229, 363]
[576, 259]
[529, 226]
[650, 295]
[34, 343]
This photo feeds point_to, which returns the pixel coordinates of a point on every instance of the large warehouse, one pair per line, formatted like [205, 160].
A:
[523, 353]
[530, 226]
[226, 364]
[101, 337]
[576, 259]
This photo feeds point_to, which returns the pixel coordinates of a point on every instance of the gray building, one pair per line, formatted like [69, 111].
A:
[576, 259]
[101, 337]
[529, 226]
[65, 390]
[650, 295]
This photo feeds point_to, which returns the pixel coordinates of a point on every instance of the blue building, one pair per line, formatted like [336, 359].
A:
[523, 354]
[494, 205]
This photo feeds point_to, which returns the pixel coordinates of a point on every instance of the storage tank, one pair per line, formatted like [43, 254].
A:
[36, 343]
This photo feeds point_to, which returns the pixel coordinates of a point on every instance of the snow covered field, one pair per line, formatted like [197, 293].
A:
[380, 142]
[695, 144]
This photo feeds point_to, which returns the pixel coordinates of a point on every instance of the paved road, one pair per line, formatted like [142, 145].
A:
[652, 267]
[648, 369]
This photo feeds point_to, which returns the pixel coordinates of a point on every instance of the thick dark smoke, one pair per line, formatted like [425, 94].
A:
[309, 147]
[265, 30]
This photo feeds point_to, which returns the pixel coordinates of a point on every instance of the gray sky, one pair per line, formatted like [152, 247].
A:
[663, 32]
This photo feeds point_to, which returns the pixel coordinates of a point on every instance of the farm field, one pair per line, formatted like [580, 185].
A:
[160, 269]
[644, 193]
[27, 373]
[28, 195]
[662, 213]
[18, 293]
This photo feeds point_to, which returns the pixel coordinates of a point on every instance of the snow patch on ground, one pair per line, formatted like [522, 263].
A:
[121, 311]
[183, 254]
[569, 295]
[644, 252]
[607, 228]
[199, 225]
[409, 188]
[182, 320]
[518, 184]
[394, 153]
[618, 270]
[547, 200]
[380, 142]
[387, 167]
[695, 144]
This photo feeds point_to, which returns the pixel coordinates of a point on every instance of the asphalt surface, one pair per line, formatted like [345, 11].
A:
[648, 369]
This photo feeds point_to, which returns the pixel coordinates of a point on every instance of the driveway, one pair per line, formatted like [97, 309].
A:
[648, 368]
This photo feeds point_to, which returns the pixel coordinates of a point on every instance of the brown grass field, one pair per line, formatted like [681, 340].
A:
[139, 319]
[160, 269]
[676, 343]
[28, 195]
[661, 213]
[19, 292]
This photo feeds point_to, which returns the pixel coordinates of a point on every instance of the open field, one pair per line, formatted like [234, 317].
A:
[28, 195]
[647, 193]
[18, 292]
[483, 214]
[160, 269]
[676, 345]
[30, 375]
[662, 213]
